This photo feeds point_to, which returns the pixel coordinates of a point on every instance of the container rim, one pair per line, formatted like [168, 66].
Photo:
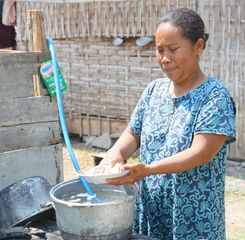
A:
[71, 204]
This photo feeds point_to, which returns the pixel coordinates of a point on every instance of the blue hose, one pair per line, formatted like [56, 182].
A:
[63, 122]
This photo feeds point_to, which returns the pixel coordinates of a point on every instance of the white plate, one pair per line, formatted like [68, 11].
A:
[101, 179]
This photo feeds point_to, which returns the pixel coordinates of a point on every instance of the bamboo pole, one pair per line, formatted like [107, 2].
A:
[36, 85]
[37, 33]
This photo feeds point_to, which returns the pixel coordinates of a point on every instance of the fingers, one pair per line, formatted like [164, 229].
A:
[137, 172]
[131, 178]
[100, 169]
[108, 167]
[113, 163]
[121, 181]
[127, 166]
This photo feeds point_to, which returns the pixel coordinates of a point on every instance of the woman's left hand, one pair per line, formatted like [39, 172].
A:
[137, 172]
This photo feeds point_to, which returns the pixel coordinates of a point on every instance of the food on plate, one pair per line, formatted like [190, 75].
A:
[108, 170]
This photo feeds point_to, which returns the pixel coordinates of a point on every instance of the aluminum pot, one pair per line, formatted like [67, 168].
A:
[24, 200]
[109, 220]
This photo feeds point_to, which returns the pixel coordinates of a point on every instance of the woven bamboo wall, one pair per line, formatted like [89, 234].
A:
[107, 80]
[125, 18]
[225, 56]
[104, 79]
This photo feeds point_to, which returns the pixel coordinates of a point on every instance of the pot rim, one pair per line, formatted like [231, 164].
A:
[71, 204]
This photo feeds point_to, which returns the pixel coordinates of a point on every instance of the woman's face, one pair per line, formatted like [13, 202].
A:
[176, 55]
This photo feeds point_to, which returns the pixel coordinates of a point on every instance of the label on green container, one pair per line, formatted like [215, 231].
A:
[47, 75]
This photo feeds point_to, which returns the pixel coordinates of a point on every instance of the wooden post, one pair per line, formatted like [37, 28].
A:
[37, 33]
[36, 85]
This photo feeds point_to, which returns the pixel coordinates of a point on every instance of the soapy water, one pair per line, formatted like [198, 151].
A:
[106, 196]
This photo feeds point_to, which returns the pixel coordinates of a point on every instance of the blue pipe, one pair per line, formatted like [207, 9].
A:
[85, 184]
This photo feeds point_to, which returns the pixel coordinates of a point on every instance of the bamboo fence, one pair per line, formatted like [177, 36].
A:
[106, 80]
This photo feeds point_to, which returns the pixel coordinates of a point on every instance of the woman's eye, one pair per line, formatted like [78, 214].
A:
[173, 49]
[160, 50]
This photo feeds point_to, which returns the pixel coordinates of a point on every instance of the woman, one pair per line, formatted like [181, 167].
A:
[182, 125]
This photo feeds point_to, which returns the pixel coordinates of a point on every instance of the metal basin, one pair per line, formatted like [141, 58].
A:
[109, 220]
[24, 200]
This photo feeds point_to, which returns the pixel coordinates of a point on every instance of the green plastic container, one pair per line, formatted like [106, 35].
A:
[47, 75]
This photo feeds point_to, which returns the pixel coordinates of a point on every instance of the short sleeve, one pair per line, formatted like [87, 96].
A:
[137, 116]
[217, 116]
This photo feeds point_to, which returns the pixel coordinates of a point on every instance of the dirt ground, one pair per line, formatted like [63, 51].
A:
[235, 190]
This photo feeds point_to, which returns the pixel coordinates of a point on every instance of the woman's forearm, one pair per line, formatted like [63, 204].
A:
[179, 162]
[127, 143]
[202, 151]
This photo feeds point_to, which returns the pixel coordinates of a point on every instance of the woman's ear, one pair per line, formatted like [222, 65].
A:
[199, 47]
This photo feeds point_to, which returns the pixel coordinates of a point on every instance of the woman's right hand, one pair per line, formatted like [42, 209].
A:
[124, 147]
[112, 159]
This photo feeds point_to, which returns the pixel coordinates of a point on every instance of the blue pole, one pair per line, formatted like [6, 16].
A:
[62, 119]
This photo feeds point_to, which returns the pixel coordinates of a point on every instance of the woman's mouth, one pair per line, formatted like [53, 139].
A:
[168, 70]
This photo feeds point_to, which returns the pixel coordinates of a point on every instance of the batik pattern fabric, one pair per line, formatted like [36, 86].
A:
[187, 205]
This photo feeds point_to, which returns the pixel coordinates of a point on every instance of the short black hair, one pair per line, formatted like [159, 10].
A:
[188, 22]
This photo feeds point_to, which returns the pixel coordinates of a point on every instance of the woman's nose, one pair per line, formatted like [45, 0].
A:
[165, 59]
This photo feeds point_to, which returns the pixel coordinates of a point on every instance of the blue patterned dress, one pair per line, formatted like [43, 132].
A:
[187, 205]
